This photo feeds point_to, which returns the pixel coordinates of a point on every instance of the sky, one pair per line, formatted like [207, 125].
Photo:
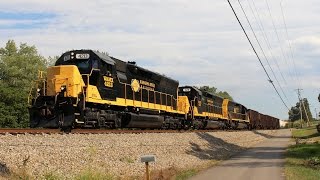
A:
[195, 42]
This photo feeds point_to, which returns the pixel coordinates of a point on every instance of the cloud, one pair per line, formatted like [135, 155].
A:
[195, 42]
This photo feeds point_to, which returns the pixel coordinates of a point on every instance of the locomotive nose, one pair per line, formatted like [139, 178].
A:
[64, 79]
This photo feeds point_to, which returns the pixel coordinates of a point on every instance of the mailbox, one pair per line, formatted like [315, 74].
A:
[148, 158]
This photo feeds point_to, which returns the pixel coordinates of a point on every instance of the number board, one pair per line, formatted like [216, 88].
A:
[82, 56]
[186, 89]
[66, 58]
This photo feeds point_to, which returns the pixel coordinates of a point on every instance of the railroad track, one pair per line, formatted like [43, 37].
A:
[15, 131]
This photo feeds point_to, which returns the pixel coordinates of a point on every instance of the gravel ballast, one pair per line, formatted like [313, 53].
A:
[67, 155]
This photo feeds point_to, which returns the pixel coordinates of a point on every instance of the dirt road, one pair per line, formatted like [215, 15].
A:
[264, 161]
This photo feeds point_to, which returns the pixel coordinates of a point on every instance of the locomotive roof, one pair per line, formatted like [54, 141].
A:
[210, 93]
[223, 98]
[193, 87]
[144, 69]
[104, 57]
[111, 60]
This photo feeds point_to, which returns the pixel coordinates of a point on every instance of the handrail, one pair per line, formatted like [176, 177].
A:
[156, 93]
[35, 85]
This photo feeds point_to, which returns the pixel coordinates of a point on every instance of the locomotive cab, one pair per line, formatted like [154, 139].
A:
[96, 69]
[193, 95]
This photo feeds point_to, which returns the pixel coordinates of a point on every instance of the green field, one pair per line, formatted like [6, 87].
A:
[303, 160]
[305, 133]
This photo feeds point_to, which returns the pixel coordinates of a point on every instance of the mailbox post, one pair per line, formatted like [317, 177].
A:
[146, 159]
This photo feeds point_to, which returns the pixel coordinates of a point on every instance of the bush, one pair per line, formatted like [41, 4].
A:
[313, 162]
[295, 124]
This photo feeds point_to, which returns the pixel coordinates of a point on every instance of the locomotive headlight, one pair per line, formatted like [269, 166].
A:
[38, 90]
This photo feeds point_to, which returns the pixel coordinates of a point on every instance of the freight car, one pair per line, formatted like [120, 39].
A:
[89, 89]
[261, 121]
[255, 119]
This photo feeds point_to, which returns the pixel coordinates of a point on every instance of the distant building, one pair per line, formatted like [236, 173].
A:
[283, 123]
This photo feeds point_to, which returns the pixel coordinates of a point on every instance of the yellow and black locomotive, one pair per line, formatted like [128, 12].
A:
[89, 89]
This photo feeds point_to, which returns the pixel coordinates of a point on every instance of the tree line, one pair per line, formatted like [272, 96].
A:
[301, 109]
[215, 91]
[19, 66]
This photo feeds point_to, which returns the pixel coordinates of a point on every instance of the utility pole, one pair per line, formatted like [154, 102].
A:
[305, 111]
[299, 97]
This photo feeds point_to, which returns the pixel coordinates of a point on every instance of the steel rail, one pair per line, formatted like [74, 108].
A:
[15, 131]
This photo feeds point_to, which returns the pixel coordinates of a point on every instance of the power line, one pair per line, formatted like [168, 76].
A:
[269, 79]
[262, 50]
[289, 43]
[265, 37]
[277, 35]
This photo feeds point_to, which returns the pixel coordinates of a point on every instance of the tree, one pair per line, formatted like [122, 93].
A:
[215, 91]
[19, 67]
[52, 60]
[294, 113]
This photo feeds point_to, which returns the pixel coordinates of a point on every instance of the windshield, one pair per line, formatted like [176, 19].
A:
[83, 65]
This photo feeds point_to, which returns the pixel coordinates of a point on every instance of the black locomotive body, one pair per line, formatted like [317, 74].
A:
[89, 89]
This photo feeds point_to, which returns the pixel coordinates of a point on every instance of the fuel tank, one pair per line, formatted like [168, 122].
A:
[133, 120]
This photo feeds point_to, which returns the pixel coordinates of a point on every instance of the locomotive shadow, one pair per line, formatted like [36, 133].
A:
[216, 149]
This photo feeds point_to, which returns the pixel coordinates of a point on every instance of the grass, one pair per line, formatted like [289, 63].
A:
[185, 174]
[174, 173]
[51, 176]
[303, 160]
[305, 133]
[127, 159]
[91, 174]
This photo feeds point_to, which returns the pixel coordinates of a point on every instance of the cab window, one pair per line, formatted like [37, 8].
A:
[83, 66]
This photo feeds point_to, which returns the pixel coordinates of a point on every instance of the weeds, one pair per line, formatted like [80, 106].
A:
[51, 176]
[313, 162]
[127, 159]
[186, 174]
[4, 170]
[22, 172]
[91, 174]
[303, 159]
